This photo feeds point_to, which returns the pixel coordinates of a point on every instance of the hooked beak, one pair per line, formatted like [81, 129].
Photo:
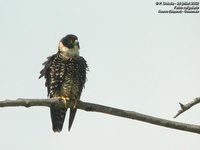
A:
[76, 43]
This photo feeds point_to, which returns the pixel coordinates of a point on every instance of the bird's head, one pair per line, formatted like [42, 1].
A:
[69, 46]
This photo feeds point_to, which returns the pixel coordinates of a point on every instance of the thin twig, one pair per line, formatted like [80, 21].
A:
[187, 106]
[104, 109]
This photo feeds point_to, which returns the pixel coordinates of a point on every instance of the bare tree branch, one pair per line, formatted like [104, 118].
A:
[27, 102]
[104, 109]
[187, 106]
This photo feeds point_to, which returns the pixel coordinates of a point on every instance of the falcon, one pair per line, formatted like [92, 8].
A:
[65, 74]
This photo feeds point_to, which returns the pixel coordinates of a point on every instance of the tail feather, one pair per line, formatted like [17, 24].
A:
[71, 117]
[57, 118]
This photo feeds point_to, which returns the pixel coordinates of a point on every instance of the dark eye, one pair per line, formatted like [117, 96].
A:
[70, 42]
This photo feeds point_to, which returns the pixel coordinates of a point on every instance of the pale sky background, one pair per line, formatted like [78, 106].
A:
[139, 60]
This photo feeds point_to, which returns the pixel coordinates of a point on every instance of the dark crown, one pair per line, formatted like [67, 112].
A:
[69, 40]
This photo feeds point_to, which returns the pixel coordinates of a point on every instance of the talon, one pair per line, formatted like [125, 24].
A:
[64, 99]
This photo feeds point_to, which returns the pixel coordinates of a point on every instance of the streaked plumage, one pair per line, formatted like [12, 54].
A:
[65, 74]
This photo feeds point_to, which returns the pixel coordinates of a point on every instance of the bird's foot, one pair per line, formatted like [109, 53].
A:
[64, 99]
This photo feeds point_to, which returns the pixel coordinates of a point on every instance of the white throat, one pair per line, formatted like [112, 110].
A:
[68, 52]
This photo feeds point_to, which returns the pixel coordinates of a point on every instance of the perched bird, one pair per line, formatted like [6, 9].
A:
[65, 74]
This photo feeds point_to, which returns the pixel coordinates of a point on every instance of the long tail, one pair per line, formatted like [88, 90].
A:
[57, 118]
[71, 117]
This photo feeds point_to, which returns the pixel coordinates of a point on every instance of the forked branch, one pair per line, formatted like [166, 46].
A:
[187, 106]
[103, 109]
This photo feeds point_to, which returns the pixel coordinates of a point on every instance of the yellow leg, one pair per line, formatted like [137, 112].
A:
[65, 99]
